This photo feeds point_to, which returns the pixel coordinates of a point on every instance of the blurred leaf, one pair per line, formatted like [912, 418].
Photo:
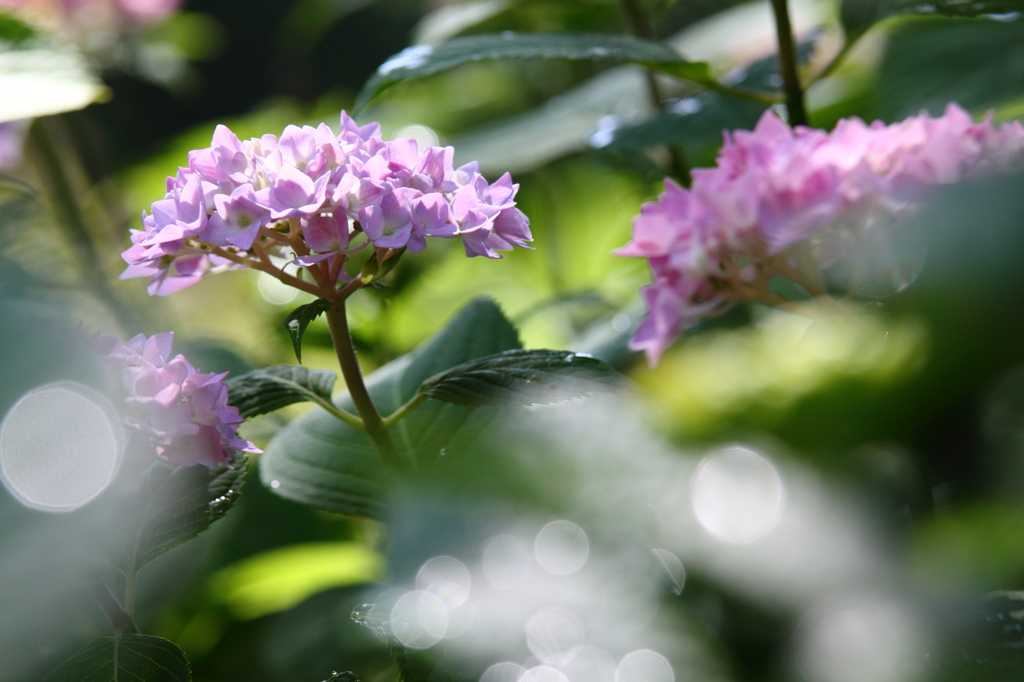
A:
[320, 461]
[696, 122]
[521, 377]
[930, 62]
[411, 667]
[281, 578]
[857, 16]
[266, 390]
[450, 20]
[299, 319]
[174, 505]
[422, 60]
[126, 657]
[14, 31]
[974, 546]
[40, 76]
[197, 37]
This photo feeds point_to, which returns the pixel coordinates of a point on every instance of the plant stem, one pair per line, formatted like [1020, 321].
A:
[245, 261]
[641, 27]
[375, 427]
[343, 415]
[119, 618]
[130, 585]
[835, 61]
[404, 410]
[788, 65]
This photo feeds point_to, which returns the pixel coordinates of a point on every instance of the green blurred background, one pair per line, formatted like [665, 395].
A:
[912, 405]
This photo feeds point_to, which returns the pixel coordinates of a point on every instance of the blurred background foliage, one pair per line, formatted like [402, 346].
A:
[914, 406]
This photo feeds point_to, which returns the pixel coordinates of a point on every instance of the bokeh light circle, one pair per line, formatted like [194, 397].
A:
[644, 666]
[737, 495]
[60, 446]
[561, 547]
[503, 672]
[507, 561]
[447, 578]
[419, 620]
[554, 636]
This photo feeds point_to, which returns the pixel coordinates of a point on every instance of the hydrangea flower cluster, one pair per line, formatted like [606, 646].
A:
[791, 202]
[308, 195]
[91, 12]
[184, 413]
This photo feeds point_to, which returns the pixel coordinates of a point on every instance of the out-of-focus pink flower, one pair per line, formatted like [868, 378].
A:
[325, 189]
[184, 413]
[788, 201]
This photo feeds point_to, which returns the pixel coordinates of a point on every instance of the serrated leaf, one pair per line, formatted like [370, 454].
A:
[521, 377]
[265, 390]
[320, 461]
[422, 60]
[40, 76]
[299, 319]
[857, 16]
[173, 505]
[125, 658]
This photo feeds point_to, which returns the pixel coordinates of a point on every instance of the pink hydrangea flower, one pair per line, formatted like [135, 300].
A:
[789, 201]
[184, 413]
[329, 190]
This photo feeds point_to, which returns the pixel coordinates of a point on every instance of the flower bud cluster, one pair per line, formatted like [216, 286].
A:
[792, 202]
[184, 413]
[314, 192]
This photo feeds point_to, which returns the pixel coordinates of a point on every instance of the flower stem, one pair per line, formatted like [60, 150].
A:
[404, 410]
[119, 618]
[788, 65]
[130, 584]
[375, 427]
[641, 28]
[245, 261]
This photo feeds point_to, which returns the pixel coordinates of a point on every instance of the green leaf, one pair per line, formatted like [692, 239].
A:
[521, 377]
[173, 505]
[40, 76]
[266, 390]
[320, 461]
[125, 658]
[14, 31]
[299, 319]
[422, 60]
[930, 62]
[857, 16]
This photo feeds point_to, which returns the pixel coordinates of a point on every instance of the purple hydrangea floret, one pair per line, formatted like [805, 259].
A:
[326, 189]
[184, 413]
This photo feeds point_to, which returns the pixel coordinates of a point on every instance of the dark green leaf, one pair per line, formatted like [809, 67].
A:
[521, 377]
[173, 505]
[299, 319]
[932, 61]
[322, 462]
[266, 390]
[857, 16]
[125, 658]
[422, 60]
[696, 122]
